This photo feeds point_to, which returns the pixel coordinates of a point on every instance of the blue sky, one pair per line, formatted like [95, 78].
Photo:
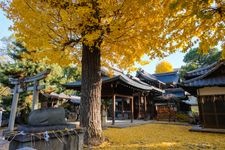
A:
[4, 25]
[175, 59]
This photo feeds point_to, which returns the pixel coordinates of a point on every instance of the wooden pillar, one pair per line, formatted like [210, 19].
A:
[139, 107]
[145, 107]
[123, 108]
[151, 106]
[114, 108]
[14, 107]
[132, 109]
[35, 96]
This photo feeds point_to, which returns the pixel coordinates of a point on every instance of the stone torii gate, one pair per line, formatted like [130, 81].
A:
[19, 87]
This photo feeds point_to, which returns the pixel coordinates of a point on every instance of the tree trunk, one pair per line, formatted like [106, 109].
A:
[91, 95]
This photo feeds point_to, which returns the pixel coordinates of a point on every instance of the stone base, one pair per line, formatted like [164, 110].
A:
[4, 145]
[209, 130]
[26, 148]
[35, 129]
[63, 139]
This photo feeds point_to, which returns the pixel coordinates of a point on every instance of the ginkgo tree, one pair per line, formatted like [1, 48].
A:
[115, 33]
[163, 67]
[201, 19]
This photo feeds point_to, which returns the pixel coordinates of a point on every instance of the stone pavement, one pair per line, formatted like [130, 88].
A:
[127, 123]
[198, 128]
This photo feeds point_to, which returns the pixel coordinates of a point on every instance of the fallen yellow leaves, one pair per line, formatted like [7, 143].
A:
[161, 136]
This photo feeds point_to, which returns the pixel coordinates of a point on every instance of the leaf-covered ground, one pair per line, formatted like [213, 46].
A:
[161, 136]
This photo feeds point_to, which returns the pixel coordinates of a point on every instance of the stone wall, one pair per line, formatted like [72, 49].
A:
[4, 145]
[58, 140]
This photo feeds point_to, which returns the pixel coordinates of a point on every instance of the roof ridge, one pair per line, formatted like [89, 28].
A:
[205, 75]
[149, 76]
[172, 72]
[203, 68]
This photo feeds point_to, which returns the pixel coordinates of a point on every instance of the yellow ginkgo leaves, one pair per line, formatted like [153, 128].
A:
[164, 67]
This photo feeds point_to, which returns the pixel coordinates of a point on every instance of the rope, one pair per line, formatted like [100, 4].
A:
[45, 135]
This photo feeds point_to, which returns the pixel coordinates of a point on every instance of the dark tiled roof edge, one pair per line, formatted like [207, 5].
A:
[136, 84]
[200, 71]
[147, 76]
[206, 74]
[166, 73]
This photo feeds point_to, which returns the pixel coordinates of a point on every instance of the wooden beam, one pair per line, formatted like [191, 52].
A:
[132, 109]
[125, 96]
[107, 96]
[136, 94]
[13, 108]
[114, 108]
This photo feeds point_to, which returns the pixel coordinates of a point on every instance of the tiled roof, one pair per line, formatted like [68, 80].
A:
[200, 71]
[147, 76]
[207, 79]
[214, 81]
[169, 77]
[134, 82]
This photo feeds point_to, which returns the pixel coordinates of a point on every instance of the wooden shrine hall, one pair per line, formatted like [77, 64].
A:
[208, 84]
[172, 98]
[129, 96]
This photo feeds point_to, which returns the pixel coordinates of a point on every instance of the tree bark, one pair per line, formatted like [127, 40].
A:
[91, 95]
